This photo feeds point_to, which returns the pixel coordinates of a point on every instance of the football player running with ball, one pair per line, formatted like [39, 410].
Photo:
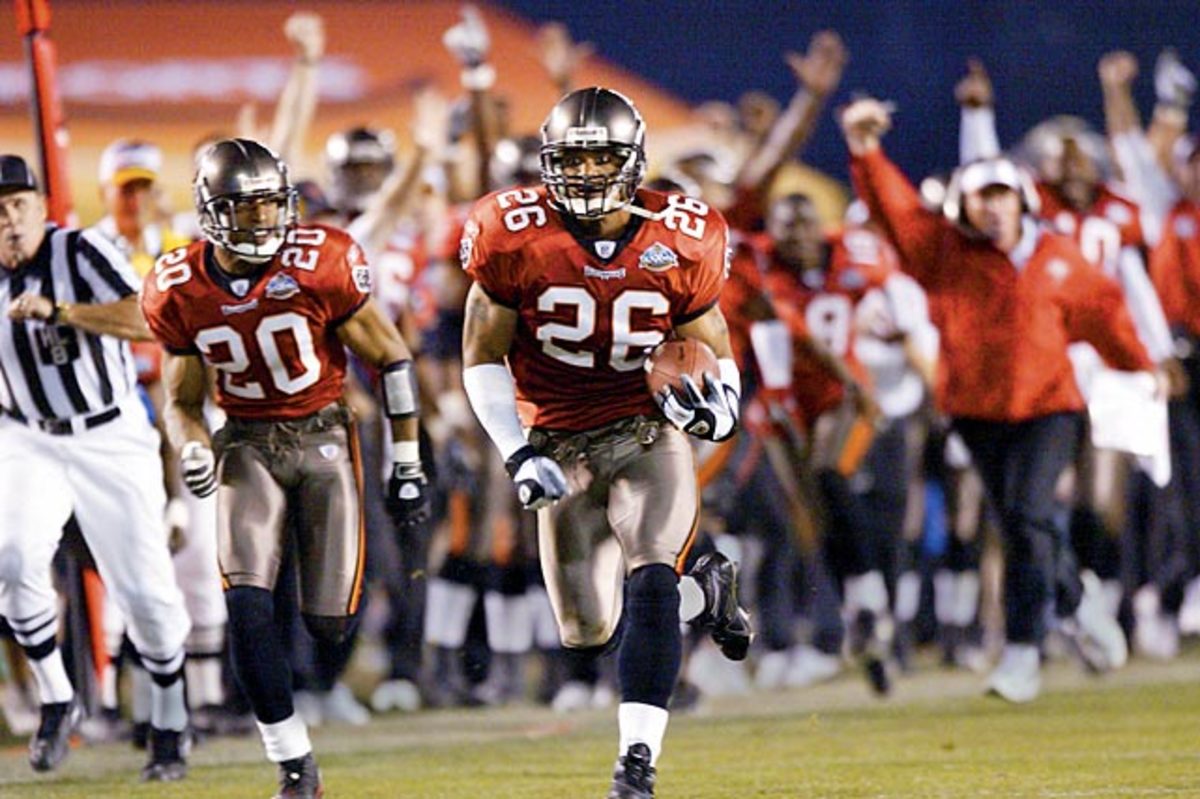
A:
[272, 306]
[575, 283]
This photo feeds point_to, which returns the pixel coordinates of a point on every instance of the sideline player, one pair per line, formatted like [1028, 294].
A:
[75, 438]
[575, 282]
[271, 306]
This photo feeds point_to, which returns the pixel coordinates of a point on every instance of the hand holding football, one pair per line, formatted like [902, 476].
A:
[673, 359]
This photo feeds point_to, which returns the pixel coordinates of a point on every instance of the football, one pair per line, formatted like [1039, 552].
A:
[673, 359]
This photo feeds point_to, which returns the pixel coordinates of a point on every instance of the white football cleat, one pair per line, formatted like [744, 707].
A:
[810, 666]
[399, 695]
[1018, 676]
[1094, 632]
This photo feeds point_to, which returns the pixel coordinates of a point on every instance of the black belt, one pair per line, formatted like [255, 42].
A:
[64, 427]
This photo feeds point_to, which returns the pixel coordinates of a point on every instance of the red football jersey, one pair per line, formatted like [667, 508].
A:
[273, 335]
[1112, 222]
[590, 312]
[820, 305]
[1175, 266]
[743, 298]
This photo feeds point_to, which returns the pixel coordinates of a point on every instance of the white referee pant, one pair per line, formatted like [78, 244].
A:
[111, 478]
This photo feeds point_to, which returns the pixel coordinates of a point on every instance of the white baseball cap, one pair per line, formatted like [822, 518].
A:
[129, 159]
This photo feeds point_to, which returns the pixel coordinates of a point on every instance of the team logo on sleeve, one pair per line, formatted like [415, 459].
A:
[658, 258]
[362, 278]
[467, 242]
[281, 287]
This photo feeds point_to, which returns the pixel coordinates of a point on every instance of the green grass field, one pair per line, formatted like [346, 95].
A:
[1136, 733]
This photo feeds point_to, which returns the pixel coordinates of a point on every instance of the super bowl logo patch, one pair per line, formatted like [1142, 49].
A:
[362, 278]
[658, 258]
[281, 287]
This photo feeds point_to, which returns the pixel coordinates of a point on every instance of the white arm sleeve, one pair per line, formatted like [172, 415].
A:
[1144, 306]
[772, 345]
[977, 135]
[1145, 181]
[493, 397]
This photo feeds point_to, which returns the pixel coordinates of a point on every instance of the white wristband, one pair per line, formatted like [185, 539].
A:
[493, 397]
[772, 345]
[406, 452]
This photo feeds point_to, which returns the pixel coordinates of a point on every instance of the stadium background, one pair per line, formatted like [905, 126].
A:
[175, 70]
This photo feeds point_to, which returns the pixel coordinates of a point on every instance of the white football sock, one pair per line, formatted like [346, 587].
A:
[285, 740]
[167, 708]
[691, 598]
[51, 675]
[641, 723]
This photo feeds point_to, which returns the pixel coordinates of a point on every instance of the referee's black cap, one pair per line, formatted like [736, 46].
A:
[15, 175]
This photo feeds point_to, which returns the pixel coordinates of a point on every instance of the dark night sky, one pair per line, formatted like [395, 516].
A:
[1042, 56]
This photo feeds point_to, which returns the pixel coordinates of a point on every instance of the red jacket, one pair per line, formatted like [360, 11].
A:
[1175, 267]
[1004, 330]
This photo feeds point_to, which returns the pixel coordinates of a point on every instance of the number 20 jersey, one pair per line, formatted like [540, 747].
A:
[272, 338]
[586, 323]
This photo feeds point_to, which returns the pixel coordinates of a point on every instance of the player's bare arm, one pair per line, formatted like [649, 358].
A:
[121, 319]
[183, 412]
[487, 336]
[488, 331]
[375, 339]
[711, 328]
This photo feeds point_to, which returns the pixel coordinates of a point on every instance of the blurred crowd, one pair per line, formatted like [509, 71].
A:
[855, 508]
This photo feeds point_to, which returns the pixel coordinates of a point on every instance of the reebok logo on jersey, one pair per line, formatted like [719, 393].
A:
[658, 258]
[281, 287]
[240, 286]
[230, 310]
[604, 274]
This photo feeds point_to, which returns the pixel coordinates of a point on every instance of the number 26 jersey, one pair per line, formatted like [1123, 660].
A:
[589, 312]
[272, 334]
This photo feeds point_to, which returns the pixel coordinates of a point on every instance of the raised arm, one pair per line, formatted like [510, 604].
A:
[977, 129]
[893, 201]
[1144, 176]
[818, 73]
[305, 32]
[376, 224]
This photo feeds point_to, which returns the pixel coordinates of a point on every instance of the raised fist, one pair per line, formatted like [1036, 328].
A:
[1117, 69]
[975, 89]
[306, 32]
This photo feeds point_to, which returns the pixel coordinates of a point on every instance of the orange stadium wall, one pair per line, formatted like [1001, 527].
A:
[175, 71]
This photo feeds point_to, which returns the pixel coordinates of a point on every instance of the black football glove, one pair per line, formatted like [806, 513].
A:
[408, 495]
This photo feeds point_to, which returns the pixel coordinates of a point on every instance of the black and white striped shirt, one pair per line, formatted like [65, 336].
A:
[57, 371]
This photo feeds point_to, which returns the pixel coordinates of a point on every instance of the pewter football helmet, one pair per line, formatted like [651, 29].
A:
[589, 121]
[231, 175]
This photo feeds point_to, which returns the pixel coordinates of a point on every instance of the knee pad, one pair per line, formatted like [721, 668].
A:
[330, 629]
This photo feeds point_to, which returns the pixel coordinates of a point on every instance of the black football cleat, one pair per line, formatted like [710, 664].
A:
[870, 640]
[52, 741]
[300, 778]
[727, 622]
[633, 777]
[166, 757]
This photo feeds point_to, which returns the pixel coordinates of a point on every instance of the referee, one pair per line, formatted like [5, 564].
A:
[75, 438]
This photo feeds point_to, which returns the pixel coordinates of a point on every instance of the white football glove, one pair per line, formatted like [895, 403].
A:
[712, 416]
[468, 41]
[540, 480]
[1174, 84]
[199, 468]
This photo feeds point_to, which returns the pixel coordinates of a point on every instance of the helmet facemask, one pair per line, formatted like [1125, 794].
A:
[252, 242]
[591, 196]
